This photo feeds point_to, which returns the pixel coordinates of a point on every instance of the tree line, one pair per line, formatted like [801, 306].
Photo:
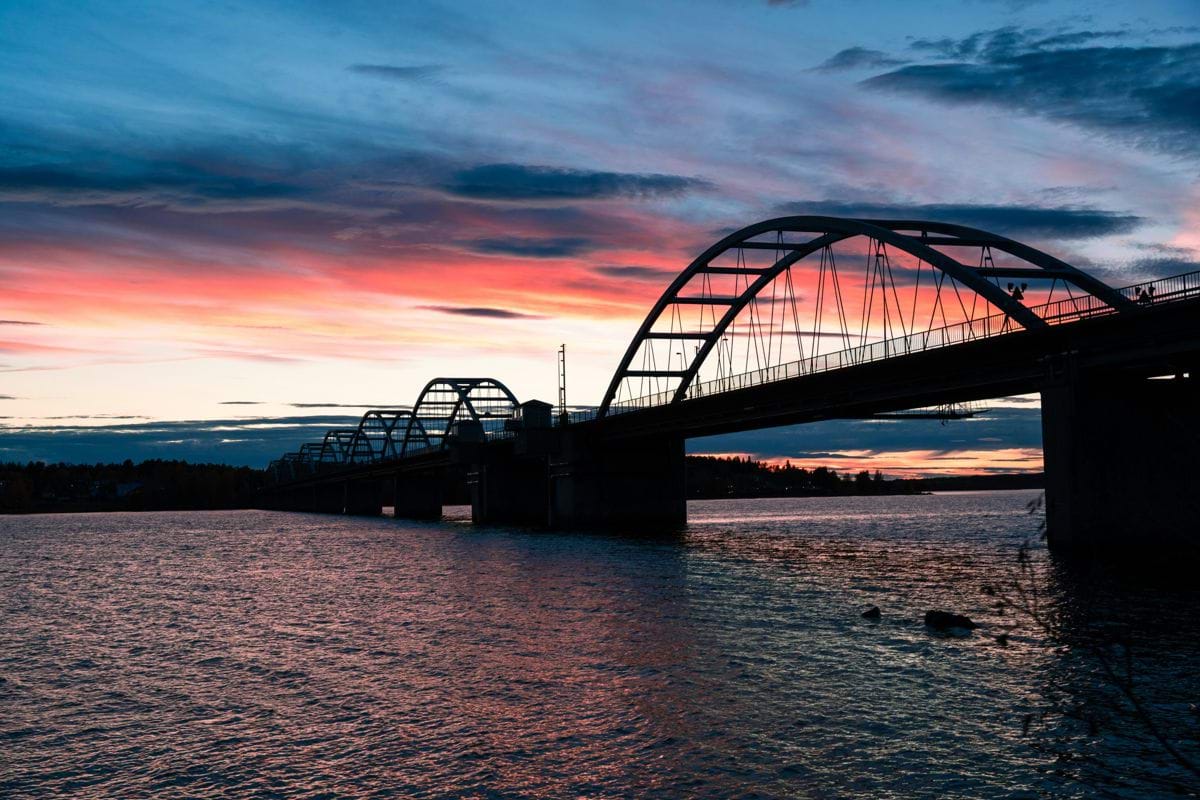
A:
[159, 485]
[148, 486]
[712, 477]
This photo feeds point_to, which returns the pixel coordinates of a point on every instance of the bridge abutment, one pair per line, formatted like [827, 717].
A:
[638, 484]
[1121, 461]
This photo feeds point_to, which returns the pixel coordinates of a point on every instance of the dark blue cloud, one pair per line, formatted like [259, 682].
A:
[144, 180]
[1010, 220]
[859, 58]
[253, 442]
[997, 429]
[1163, 267]
[524, 182]
[258, 440]
[220, 207]
[1010, 41]
[526, 247]
[635, 273]
[479, 311]
[1148, 95]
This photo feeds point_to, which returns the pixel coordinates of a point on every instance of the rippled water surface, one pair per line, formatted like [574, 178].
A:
[291, 655]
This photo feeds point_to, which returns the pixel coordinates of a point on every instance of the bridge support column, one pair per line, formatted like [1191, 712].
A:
[364, 498]
[324, 498]
[637, 485]
[507, 489]
[418, 495]
[1122, 456]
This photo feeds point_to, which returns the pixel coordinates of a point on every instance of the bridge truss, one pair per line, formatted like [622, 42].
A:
[389, 434]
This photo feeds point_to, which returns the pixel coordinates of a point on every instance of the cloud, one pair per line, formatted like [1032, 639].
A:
[1147, 95]
[914, 443]
[636, 273]
[124, 181]
[521, 182]
[858, 58]
[19, 322]
[346, 405]
[481, 311]
[1163, 267]
[1060, 222]
[253, 442]
[1003, 42]
[239, 403]
[527, 247]
[417, 72]
[7, 397]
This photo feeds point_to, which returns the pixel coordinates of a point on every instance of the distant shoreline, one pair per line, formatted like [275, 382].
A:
[179, 486]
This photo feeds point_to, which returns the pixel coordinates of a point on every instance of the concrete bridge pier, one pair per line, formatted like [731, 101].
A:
[508, 490]
[1122, 461]
[639, 485]
[418, 495]
[363, 498]
[325, 498]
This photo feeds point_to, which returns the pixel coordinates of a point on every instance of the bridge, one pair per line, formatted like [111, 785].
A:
[799, 319]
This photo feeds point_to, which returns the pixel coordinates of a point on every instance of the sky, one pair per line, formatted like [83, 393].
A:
[225, 227]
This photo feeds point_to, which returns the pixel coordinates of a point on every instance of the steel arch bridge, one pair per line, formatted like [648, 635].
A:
[781, 299]
[807, 318]
[390, 434]
[739, 309]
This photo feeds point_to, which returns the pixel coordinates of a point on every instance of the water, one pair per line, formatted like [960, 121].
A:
[234, 654]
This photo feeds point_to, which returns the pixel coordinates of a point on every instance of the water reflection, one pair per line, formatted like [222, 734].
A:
[253, 653]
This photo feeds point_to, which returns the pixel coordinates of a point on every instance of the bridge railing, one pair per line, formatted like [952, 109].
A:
[1071, 309]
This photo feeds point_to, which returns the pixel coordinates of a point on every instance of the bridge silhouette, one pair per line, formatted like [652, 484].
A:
[800, 319]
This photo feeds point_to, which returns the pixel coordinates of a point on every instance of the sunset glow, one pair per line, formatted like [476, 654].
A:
[309, 206]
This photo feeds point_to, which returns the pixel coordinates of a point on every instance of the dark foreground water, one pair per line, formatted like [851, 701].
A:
[238, 654]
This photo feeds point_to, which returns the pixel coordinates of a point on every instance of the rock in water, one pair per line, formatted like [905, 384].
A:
[872, 613]
[944, 619]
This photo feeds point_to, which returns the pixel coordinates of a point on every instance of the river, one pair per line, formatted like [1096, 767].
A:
[262, 654]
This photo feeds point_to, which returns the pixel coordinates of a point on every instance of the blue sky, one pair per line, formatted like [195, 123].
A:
[328, 203]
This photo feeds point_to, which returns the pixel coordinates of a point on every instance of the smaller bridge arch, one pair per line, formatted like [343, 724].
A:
[335, 446]
[381, 435]
[445, 401]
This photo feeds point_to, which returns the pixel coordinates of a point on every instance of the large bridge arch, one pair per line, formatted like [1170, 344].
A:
[796, 238]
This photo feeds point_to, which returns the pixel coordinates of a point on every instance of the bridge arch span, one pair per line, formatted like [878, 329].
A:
[445, 401]
[752, 267]
[335, 446]
[381, 435]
